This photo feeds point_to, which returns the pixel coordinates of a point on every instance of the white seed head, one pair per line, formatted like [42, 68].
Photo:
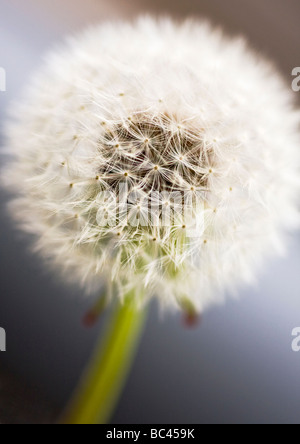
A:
[131, 116]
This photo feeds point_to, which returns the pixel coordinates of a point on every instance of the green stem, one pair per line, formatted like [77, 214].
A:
[102, 385]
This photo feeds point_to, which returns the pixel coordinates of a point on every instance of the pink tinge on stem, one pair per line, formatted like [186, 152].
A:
[191, 319]
[90, 319]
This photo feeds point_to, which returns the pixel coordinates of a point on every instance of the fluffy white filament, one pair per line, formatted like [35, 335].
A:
[159, 107]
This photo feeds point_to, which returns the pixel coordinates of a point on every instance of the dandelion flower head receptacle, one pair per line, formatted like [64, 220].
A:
[159, 158]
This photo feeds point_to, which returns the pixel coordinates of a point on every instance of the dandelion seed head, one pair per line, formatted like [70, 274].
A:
[139, 116]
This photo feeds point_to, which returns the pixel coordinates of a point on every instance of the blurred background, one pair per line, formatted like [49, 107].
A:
[238, 365]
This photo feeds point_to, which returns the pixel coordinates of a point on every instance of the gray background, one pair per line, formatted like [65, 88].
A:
[238, 366]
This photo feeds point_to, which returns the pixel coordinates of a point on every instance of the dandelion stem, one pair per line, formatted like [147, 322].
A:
[103, 382]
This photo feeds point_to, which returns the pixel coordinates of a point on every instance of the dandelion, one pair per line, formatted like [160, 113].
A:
[156, 157]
